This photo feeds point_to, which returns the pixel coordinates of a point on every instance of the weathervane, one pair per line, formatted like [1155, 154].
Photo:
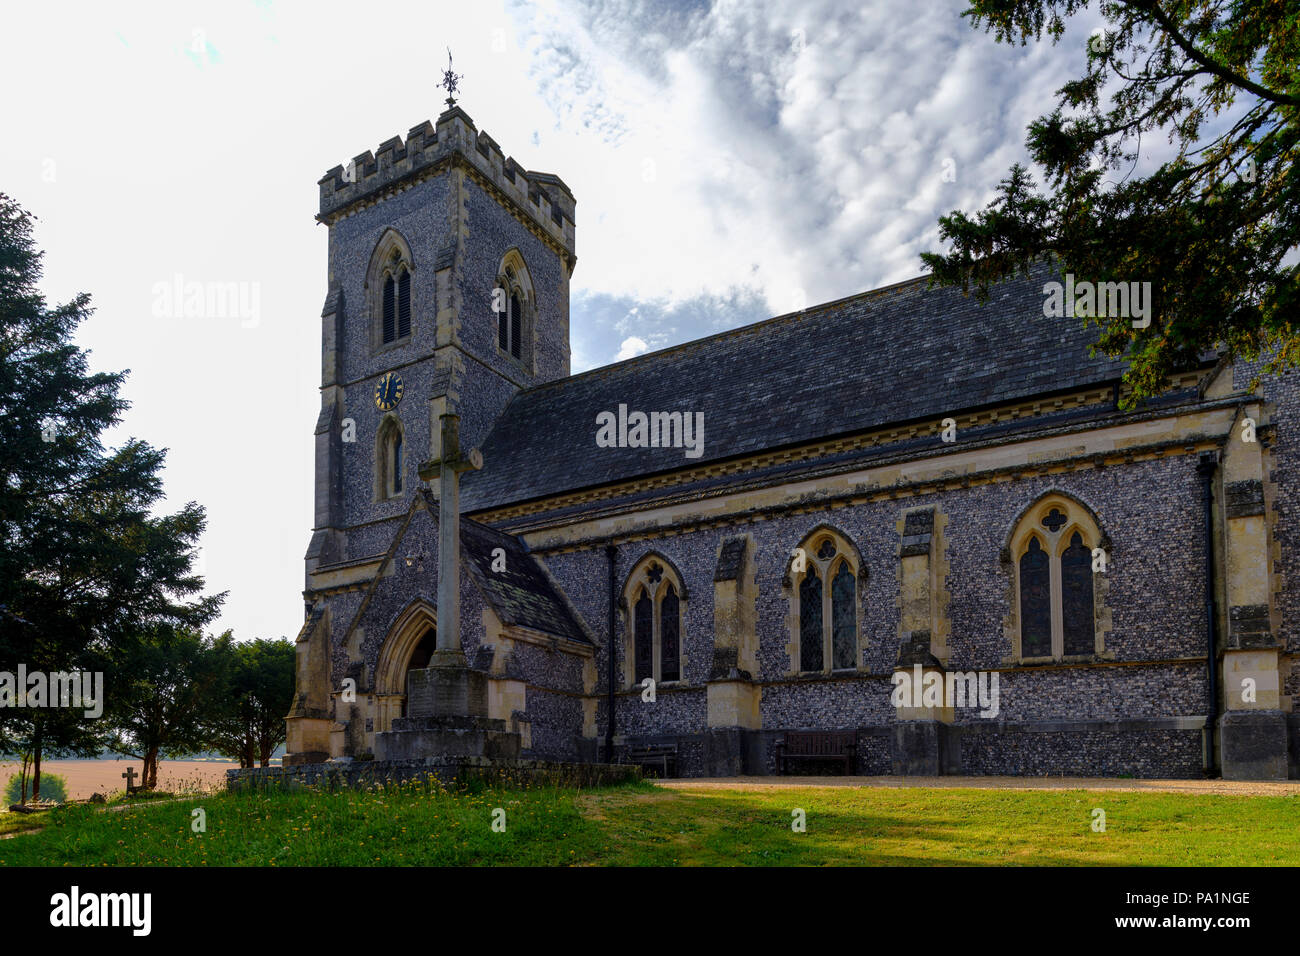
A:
[450, 81]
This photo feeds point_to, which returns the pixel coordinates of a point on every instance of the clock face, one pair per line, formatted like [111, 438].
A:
[388, 392]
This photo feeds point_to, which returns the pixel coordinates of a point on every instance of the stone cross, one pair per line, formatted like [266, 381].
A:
[130, 780]
[448, 468]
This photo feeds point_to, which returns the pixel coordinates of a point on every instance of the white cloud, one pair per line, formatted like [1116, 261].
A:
[631, 347]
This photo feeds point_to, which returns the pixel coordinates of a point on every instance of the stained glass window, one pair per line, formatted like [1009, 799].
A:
[810, 622]
[843, 620]
[669, 628]
[657, 606]
[642, 625]
[1035, 602]
[1076, 597]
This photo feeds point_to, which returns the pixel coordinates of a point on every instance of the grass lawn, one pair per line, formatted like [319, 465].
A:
[19, 822]
[643, 824]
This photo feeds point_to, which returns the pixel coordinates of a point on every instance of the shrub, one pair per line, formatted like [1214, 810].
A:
[53, 788]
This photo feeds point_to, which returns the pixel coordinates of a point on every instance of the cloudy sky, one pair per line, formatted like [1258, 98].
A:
[730, 160]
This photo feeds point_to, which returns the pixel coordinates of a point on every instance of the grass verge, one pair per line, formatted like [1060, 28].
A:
[640, 824]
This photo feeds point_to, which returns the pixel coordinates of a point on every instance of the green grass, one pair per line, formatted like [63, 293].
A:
[20, 822]
[641, 824]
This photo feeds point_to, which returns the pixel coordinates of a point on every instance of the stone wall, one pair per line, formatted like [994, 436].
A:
[1152, 667]
[446, 770]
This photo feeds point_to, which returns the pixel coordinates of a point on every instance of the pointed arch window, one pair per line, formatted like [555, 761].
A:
[390, 464]
[1035, 600]
[643, 623]
[512, 303]
[516, 326]
[397, 306]
[810, 622]
[389, 290]
[656, 600]
[1056, 611]
[824, 577]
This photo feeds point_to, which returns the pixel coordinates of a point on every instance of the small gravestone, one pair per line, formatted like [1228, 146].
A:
[130, 781]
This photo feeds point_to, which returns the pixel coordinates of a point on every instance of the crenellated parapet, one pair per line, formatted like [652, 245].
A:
[542, 198]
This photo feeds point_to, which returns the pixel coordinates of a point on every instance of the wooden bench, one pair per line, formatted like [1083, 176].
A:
[661, 757]
[829, 745]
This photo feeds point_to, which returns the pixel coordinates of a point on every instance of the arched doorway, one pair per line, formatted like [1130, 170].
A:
[420, 658]
[409, 645]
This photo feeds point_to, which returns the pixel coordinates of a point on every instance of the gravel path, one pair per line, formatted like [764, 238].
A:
[1237, 787]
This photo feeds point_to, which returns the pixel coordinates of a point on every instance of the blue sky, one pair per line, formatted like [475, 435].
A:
[730, 161]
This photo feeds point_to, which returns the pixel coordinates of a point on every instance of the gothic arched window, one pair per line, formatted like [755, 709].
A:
[1055, 598]
[388, 289]
[512, 300]
[397, 305]
[654, 596]
[389, 459]
[516, 325]
[824, 577]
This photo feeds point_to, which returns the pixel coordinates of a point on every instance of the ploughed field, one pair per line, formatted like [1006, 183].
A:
[678, 825]
[85, 777]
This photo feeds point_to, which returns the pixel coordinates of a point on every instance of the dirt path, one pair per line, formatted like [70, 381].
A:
[1237, 787]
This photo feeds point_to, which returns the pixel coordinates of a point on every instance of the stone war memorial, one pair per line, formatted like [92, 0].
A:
[898, 533]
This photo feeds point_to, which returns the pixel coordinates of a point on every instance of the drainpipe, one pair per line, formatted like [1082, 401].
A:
[1206, 469]
[611, 555]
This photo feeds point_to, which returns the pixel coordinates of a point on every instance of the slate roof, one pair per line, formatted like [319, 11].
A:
[522, 594]
[893, 355]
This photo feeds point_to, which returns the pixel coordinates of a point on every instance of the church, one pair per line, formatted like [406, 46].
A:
[898, 533]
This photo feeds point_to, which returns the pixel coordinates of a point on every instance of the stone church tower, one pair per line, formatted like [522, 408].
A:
[449, 270]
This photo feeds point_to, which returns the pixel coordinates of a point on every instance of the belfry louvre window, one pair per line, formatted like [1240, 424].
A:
[654, 597]
[389, 291]
[390, 310]
[514, 307]
[397, 306]
[516, 326]
[1052, 551]
[403, 304]
[824, 575]
[510, 324]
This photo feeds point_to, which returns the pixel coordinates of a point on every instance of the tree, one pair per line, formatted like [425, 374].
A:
[170, 683]
[1215, 229]
[83, 561]
[250, 724]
